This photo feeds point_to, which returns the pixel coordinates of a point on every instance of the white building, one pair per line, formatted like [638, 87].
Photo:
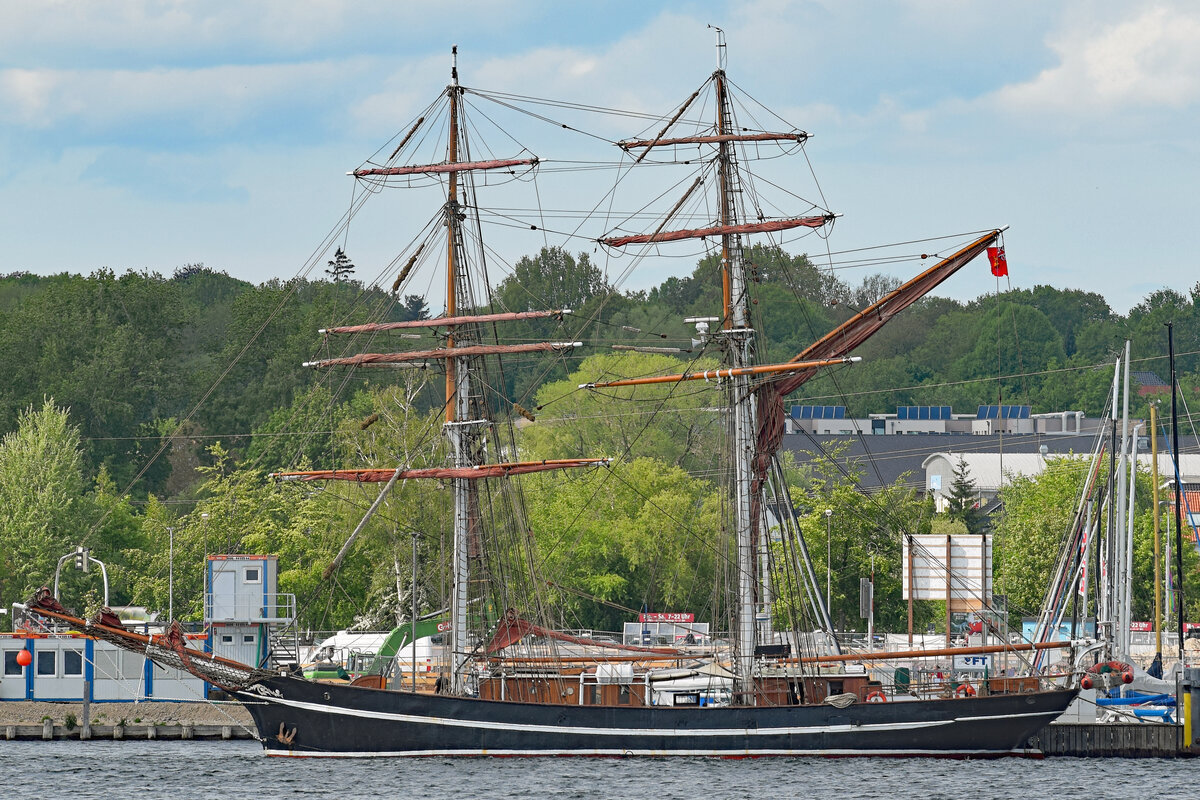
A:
[992, 471]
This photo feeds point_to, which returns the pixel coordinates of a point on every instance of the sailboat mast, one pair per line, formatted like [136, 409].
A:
[457, 410]
[738, 352]
[1157, 538]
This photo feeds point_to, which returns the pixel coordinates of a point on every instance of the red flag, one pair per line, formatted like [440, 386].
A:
[998, 261]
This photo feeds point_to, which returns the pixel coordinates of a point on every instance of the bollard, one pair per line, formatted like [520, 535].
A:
[1190, 706]
[85, 732]
[48, 729]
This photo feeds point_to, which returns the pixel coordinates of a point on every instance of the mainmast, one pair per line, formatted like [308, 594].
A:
[738, 353]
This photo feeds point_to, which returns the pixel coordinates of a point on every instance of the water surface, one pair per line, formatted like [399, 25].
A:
[184, 770]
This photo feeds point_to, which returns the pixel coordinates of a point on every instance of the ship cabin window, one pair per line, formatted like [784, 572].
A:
[72, 662]
[623, 695]
[835, 687]
[47, 662]
[11, 667]
[252, 575]
[596, 695]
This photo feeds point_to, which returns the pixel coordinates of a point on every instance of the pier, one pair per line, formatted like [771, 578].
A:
[49, 731]
[1103, 740]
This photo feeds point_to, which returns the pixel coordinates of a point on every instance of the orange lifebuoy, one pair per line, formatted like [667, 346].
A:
[1107, 669]
[877, 697]
[964, 690]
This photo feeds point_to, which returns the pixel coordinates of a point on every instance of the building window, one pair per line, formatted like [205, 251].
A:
[11, 667]
[247, 638]
[72, 662]
[252, 575]
[47, 662]
[227, 638]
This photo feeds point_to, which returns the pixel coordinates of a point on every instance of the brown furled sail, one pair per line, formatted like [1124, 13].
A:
[840, 342]
[720, 230]
[725, 373]
[799, 136]
[375, 359]
[453, 166]
[446, 322]
[441, 473]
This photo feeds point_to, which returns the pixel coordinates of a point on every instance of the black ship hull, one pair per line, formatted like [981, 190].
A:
[300, 718]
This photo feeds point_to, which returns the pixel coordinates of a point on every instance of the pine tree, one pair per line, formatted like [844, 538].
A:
[964, 499]
[340, 267]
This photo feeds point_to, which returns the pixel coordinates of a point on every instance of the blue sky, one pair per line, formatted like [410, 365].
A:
[149, 135]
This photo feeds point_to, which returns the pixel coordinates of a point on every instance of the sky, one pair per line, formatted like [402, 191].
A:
[150, 135]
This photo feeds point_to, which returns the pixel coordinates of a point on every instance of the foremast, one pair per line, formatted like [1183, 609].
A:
[461, 431]
[467, 424]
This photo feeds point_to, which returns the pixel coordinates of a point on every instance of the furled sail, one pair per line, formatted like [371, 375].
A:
[452, 166]
[468, 473]
[376, 359]
[720, 230]
[799, 136]
[446, 322]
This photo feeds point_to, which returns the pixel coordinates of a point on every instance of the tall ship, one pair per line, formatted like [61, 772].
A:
[774, 682]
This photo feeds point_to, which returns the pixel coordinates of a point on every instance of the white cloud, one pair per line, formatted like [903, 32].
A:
[1149, 61]
[207, 100]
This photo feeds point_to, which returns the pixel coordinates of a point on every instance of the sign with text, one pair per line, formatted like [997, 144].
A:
[971, 663]
[666, 616]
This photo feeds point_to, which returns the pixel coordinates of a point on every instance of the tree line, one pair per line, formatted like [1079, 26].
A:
[108, 371]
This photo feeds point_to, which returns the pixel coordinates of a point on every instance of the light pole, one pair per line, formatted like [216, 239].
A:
[171, 576]
[204, 566]
[828, 561]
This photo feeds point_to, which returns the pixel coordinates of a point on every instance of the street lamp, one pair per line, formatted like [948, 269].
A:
[828, 561]
[171, 576]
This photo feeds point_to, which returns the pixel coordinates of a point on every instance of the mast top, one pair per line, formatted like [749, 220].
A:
[721, 52]
[454, 64]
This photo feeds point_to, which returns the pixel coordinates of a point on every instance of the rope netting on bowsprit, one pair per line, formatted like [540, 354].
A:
[167, 649]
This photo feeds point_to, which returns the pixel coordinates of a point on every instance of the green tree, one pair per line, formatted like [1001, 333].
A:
[641, 533]
[674, 423]
[860, 528]
[41, 503]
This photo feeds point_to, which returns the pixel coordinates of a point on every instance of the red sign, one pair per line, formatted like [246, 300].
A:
[1146, 627]
[667, 616]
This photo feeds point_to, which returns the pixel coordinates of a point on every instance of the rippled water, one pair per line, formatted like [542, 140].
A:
[184, 770]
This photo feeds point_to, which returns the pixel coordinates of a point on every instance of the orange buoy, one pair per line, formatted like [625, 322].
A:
[24, 658]
[965, 690]
[876, 697]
